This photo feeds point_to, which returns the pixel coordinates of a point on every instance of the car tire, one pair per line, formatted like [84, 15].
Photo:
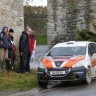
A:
[88, 77]
[42, 84]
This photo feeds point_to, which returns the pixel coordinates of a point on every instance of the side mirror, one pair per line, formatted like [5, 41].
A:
[94, 55]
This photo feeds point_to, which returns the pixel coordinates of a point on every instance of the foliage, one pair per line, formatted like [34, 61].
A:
[41, 40]
[86, 35]
[36, 18]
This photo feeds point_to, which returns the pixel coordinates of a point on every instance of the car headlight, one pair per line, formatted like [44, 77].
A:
[41, 66]
[79, 64]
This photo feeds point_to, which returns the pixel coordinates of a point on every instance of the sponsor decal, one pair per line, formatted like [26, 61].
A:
[61, 58]
[79, 72]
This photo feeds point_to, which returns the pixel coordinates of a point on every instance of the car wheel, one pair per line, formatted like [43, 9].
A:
[42, 84]
[88, 77]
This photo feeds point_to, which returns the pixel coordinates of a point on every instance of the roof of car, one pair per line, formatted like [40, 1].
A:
[73, 43]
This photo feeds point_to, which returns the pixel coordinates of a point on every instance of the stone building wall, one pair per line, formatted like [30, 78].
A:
[93, 14]
[11, 15]
[65, 17]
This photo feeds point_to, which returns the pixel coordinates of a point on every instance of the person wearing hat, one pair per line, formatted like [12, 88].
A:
[5, 45]
[12, 52]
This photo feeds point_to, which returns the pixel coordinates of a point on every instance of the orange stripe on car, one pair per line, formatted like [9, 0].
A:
[73, 61]
[47, 63]
[93, 62]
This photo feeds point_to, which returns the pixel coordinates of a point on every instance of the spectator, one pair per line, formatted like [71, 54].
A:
[31, 39]
[12, 53]
[4, 46]
[24, 51]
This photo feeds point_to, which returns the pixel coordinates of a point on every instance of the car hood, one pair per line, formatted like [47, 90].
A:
[61, 61]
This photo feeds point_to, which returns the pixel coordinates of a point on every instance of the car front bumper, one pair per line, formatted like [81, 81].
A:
[72, 74]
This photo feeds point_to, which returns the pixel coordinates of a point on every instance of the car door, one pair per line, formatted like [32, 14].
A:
[91, 51]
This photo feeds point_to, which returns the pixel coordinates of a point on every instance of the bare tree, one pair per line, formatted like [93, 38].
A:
[26, 2]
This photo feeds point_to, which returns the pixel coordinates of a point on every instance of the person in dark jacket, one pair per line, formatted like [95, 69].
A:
[4, 46]
[24, 51]
[12, 53]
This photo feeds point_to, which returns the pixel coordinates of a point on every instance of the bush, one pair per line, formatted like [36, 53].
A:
[86, 35]
[41, 39]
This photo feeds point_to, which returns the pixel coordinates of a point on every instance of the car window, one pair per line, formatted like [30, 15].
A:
[68, 51]
[92, 49]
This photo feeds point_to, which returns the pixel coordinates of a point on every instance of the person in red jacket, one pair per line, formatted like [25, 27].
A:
[31, 40]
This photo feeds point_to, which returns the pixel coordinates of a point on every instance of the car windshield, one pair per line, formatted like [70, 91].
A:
[67, 51]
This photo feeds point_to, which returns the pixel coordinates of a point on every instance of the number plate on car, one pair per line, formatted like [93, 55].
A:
[57, 72]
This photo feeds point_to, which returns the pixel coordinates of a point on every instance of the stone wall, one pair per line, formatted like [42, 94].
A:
[65, 17]
[11, 15]
[93, 14]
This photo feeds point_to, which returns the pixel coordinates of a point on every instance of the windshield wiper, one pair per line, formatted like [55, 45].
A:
[67, 55]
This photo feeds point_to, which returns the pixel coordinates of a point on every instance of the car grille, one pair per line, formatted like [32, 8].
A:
[58, 64]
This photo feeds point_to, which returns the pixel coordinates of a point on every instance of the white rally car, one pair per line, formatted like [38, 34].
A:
[68, 61]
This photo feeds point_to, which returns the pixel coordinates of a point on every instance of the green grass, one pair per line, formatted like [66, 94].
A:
[18, 81]
[41, 40]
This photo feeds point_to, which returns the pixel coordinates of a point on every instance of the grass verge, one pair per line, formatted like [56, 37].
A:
[18, 81]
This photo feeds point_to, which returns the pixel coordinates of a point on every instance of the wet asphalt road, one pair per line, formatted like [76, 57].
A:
[71, 90]
[58, 89]
[68, 89]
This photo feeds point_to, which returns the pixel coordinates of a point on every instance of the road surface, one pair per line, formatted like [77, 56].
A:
[68, 89]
